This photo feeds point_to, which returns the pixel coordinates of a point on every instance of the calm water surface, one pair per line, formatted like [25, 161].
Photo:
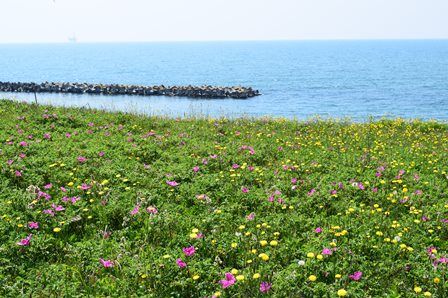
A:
[298, 79]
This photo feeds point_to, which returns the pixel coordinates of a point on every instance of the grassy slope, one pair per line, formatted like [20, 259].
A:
[379, 225]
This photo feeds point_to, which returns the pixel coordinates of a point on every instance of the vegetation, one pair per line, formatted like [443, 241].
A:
[113, 204]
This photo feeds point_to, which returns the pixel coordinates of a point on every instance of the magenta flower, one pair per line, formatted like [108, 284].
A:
[48, 211]
[181, 263]
[57, 208]
[172, 183]
[189, 251]
[33, 225]
[265, 287]
[245, 190]
[81, 159]
[135, 210]
[23, 144]
[361, 186]
[235, 166]
[327, 252]
[311, 192]
[318, 230]
[18, 173]
[230, 280]
[85, 186]
[356, 276]
[26, 241]
[106, 263]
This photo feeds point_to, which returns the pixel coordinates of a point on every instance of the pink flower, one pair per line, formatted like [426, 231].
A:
[23, 144]
[26, 241]
[245, 190]
[318, 230]
[230, 280]
[135, 210]
[33, 225]
[18, 173]
[196, 169]
[356, 276]
[189, 251]
[265, 287]
[152, 210]
[181, 263]
[57, 208]
[47, 136]
[106, 263]
[48, 186]
[101, 154]
[48, 211]
[85, 186]
[68, 135]
[63, 189]
[235, 166]
[172, 183]
[250, 216]
[311, 192]
[81, 159]
[361, 186]
[327, 252]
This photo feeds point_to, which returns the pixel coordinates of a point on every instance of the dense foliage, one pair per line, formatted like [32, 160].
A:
[112, 204]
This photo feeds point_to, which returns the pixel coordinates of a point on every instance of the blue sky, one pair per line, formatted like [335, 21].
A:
[185, 20]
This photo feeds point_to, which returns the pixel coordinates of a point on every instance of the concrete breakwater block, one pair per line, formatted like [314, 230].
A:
[115, 89]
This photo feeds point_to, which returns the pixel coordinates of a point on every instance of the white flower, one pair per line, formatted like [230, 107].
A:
[397, 238]
[301, 263]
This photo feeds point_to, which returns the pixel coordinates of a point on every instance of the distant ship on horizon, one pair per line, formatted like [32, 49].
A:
[72, 39]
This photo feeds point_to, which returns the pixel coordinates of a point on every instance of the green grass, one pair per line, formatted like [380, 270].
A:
[374, 195]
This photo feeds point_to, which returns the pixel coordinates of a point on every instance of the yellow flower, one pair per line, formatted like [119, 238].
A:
[217, 294]
[256, 276]
[417, 289]
[427, 294]
[342, 293]
[234, 271]
[193, 235]
[56, 230]
[234, 245]
[196, 277]
[240, 277]
[338, 276]
[320, 257]
[310, 255]
[273, 243]
[166, 256]
[195, 230]
[263, 256]
[436, 280]
[263, 243]
[312, 278]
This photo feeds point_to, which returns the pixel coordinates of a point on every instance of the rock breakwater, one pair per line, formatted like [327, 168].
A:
[116, 89]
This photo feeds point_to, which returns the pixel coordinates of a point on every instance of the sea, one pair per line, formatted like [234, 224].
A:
[344, 79]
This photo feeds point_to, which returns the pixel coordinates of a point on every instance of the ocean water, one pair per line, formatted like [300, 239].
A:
[298, 79]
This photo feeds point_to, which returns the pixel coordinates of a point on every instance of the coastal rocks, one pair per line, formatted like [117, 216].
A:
[115, 89]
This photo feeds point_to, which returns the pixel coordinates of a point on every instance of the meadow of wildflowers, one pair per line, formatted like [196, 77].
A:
[111, 204]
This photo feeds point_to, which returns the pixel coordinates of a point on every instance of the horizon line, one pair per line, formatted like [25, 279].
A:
[222, 40]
